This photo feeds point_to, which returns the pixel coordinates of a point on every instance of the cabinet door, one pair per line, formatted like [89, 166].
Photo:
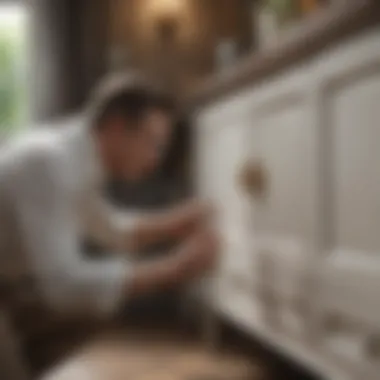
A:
[222, 148]
[285, 211]
[351, 276]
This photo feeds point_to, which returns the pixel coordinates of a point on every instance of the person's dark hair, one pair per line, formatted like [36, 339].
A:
[129, 97]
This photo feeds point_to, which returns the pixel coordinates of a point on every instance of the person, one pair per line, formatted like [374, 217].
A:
[50, 196]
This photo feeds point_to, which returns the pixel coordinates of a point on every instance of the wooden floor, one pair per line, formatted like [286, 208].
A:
[146, 352]
[137, 356]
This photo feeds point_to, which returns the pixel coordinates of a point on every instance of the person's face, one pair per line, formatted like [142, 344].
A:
[137, 153]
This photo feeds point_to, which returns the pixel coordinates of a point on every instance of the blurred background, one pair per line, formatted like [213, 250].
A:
[280, 128]
[52, 53]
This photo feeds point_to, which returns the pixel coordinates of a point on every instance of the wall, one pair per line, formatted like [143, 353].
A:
[71, 42]
[200, 24]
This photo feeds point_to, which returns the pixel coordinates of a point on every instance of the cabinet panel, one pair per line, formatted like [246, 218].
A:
[285, 214]
[351, 272]
[355, 115]
[221, 150]
[287, 153]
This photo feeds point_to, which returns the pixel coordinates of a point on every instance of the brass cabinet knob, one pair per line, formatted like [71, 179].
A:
[253, 178]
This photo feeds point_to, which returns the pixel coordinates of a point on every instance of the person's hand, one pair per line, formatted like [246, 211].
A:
[199, 255]
[197, 210]
[188, 217]
[173, 225]
[207, 210]
[195, 257]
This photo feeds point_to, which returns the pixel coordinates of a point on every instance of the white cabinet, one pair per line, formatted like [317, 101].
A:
[301, 259]
[285, 214]
[351, 271]
[221, 149]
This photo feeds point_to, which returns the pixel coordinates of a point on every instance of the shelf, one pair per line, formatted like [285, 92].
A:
[328, 27]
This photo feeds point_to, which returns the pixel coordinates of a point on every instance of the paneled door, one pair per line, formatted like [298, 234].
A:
[351, 275]
[285, 158]
[222, 148]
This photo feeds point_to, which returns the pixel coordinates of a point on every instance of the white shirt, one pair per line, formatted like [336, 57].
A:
[49, 198]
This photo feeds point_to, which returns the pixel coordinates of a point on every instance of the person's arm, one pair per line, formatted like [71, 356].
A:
[70, 283]
[192, 258]
[173, 224]
[124, 231]
[67, 281]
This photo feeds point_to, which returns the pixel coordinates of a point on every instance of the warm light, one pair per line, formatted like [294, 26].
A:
[166, 7]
